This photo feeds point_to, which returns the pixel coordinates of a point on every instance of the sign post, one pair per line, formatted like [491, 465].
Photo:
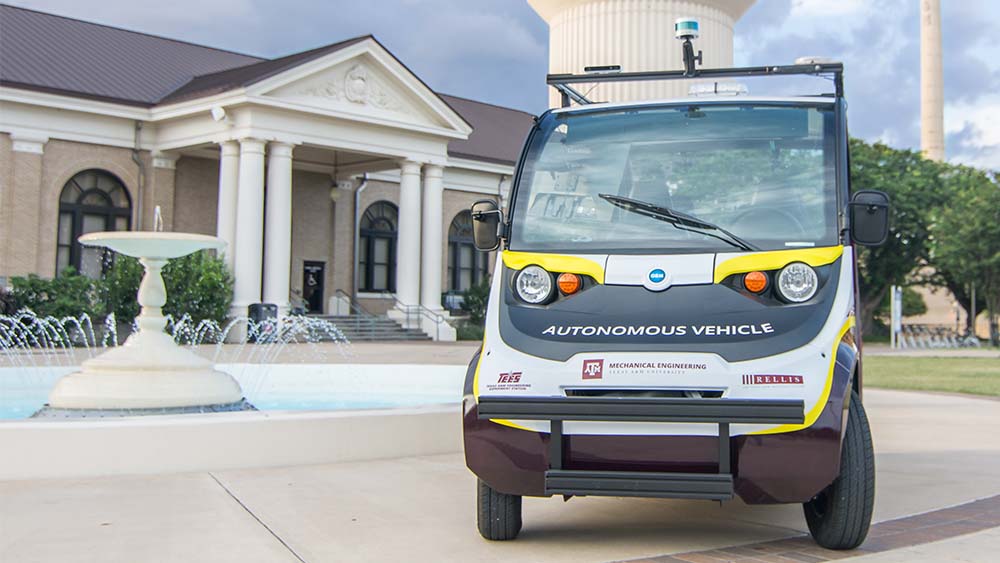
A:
[896, 312]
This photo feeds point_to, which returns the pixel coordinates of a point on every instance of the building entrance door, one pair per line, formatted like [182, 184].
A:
[313, 275]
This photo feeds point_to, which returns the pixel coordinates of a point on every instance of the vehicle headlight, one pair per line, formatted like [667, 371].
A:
[534, 285]
[797, 282]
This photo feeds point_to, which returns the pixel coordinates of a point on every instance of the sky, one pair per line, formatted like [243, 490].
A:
[497, 50]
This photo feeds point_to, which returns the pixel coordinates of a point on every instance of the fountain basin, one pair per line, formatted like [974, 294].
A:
[149, 371]
[158, 245]
[273, 388]
[309, 414]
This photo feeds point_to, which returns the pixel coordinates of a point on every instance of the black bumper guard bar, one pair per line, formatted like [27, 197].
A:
[713, 486]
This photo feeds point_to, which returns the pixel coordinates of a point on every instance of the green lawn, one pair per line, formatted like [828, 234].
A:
[979, 376]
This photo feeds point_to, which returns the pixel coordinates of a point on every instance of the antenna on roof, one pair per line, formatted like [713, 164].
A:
[687, 29]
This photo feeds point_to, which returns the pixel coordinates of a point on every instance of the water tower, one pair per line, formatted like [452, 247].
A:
[639, 36]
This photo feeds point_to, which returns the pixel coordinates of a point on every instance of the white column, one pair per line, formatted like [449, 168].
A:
[408, 237]
[229, 173]
[278, 225]
[249, 226]
[433, 238]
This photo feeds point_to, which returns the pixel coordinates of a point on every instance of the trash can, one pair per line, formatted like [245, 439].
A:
[263, 322]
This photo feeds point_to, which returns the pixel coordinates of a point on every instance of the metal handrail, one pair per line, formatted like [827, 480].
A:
[408, 310]
[368, 317]
[354, 305]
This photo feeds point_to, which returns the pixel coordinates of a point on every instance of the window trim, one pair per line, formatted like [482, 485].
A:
[77, 211]
[480, 260]
[366, 258]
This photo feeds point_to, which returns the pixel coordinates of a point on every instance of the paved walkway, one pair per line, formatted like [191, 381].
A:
[422, 352]
[885, 350]
[932, 452]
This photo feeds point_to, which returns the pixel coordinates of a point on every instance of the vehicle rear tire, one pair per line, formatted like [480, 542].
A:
[839, 516]
[498, 514]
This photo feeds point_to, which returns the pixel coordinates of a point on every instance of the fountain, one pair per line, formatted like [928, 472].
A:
[312, 410]
[149, 373]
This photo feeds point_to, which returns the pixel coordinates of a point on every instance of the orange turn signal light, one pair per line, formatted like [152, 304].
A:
[569, 283]
[755, 282]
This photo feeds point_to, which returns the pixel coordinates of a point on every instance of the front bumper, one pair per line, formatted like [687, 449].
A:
[769, 468]
[723, 412]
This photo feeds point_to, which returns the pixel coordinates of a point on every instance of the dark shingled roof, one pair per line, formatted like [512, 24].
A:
[498, 132]
[50, 53]
[208, 84]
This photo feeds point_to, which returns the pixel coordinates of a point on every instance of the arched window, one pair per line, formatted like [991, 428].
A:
[92, 201]
[466, 265]
[377, 248]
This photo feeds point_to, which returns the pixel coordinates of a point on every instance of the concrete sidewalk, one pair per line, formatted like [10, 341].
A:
[981, 546]
[885, 350]
[932, 451]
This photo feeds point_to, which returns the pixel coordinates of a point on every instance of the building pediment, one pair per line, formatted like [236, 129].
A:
[364, 82]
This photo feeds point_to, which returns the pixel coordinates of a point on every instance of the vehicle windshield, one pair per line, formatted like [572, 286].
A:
[764, 173]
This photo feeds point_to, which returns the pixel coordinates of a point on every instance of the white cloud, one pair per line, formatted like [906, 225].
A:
[978, 122]
[829, 17]
[156, 19]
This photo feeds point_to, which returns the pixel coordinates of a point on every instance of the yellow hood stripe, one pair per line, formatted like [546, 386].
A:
[555, 263]
[817, 408]
[475, 392]
[774, 260]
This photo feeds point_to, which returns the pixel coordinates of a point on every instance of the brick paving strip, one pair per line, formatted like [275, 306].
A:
[908, 531]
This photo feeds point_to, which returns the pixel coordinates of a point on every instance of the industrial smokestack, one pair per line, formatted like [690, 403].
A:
[931, 83]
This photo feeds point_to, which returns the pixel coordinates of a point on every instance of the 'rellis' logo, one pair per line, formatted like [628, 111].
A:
[772, 380]
[593, 369]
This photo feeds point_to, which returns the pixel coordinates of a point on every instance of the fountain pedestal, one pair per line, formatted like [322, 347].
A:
[149, 371]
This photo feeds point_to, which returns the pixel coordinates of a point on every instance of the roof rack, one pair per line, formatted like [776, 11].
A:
[561, 82]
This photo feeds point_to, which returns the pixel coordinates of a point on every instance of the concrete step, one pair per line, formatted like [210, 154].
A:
[357, 328]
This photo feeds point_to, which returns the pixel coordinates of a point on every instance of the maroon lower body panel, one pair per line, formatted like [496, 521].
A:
[771, 468]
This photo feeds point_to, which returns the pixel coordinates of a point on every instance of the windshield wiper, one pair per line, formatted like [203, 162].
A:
[677, 219]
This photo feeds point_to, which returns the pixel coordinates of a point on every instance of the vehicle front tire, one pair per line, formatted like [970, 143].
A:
[839, 516]
[498, 514]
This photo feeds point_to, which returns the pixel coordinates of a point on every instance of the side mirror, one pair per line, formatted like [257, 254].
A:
[869, 211]
[486, 217]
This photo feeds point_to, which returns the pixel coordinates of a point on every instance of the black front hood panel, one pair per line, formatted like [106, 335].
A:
[696, 318]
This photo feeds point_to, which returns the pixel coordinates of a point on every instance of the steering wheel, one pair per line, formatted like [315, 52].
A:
[748, 220]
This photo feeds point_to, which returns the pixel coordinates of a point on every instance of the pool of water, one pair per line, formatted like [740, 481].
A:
[278, 387]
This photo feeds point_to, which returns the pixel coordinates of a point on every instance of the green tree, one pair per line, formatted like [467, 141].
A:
[916, 188]
[966, 241]
[913, 304]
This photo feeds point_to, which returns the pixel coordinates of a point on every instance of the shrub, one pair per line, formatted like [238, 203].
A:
[119, 287]
[8, 305]
[469, 331]
[67, 295]
[475, 300]
[198, 285]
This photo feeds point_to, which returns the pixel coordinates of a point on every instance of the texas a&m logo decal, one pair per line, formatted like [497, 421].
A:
[593, 369]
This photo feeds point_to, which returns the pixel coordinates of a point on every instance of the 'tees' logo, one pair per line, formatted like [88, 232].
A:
[513, 377]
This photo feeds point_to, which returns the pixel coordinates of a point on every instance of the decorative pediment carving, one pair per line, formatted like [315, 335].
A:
[357, 84]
